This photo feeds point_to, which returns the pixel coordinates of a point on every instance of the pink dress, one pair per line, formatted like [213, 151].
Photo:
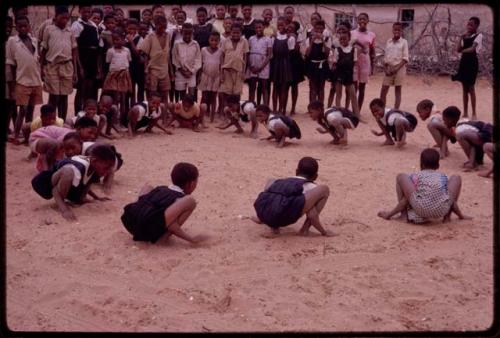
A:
[363, 68]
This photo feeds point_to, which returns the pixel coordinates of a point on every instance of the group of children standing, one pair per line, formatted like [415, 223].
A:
[170, 59]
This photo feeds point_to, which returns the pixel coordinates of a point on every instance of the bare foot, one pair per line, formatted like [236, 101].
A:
[197, 240]
[303, 232]
[239, 131]
[486, 174]
[384, 214]
[69, 215]
[256, 219]
[388, 143]
[321, 130]
[328, 234]
[254, 135]
[400, 144]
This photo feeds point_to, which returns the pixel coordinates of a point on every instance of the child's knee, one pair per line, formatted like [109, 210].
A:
[63, 176]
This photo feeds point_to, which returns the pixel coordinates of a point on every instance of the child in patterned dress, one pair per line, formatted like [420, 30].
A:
[427, 194]
[210, 72]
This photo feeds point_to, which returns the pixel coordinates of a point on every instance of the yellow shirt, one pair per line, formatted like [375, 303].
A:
[37, 123]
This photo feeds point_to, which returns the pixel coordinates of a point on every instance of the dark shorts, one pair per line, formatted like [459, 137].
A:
[143, 122]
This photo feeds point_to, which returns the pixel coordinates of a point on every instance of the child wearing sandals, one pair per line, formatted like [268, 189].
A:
[284, 201]
[427, 194]
[334, 120]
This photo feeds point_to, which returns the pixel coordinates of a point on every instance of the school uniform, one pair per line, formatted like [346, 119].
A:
[210, 73]
[118, 78]
[344, 59]
[49, 132]
[157, 68]
[136, 67]
[317, 69]
[87, 38]
[484, 131]
[281, 67]
[270, 30]
[259, 47]
[146, 115]
[105, 43]
[79, 115]
[391, 115]
[37, 123]
[281, 204]
[395, 52]
[202, 33]
[469, 64]
[28, 77]
[275, 120]
[233, 66]
[186, 55]
[59, 44]
[248, 29]
[145, 218]
[332, 114]
[218, 25]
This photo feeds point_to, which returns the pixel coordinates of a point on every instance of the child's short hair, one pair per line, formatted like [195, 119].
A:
[119, 31]
[182, 12]
[183, 173]
[236, 25]
[85, 122]
[146, 10]
[96, 10]
[132, 21]
[187, 25]
[258, 22]
[346, 24]
[188, 98]
[72, 136]
[90, 102]
[429, 159]
[377, 103]
[425, 104]
[108, 17]
[46, 110]
[61, 10]
[320, 23]
[216, 34]
[397, 23]
[307, 167]
[233, 99]
[103, 152]
[364, 14]
[452, 113]
[22, 18]
[315, 105]
[475, 19]
[263, 108]
[160, 20]
[201, 9]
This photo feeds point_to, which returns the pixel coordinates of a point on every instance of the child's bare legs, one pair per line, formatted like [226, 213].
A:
[397, 94]
[383, 93]
[454, 187]
[281, 132]
[341, 125]
[338, 93]
[467, 140]
[263, 87]
[489, 149]
[255, 124]
[321, 91]
[203, 112]
[48, 149]
[26, 130]
[360, 89]
[21, 116]
[313, 91]
[472, 93]
[401, 126]
[164, 100]
[331, 96]
[283, 93]
[133, 117]
[61, 184]
[315, 200]
[252, 86]
[435, 128]
[465, 98]
[276, 90]
[404, 189]
[107, 182]
[207, 99]
[222, 103]
[177, 214]
[295, 94]
[352, 94]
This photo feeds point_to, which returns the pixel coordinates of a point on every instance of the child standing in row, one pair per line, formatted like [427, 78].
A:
[281, 66]
[261, 48]
[211, 57]
[297, 64]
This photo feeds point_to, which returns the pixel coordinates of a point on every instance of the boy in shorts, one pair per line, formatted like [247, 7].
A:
[186, 58]
[187, 113]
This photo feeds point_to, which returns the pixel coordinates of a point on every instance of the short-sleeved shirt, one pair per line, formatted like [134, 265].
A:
[96, 118]
[388, 120]
[396, 51]
[41, 29]
[78, 26]
[234, 57]
[187, 55]
[366, 38]
[59, 43]
[194, 111]
[478, 39]
[290, 42]
[307, 186]
[258, 49]
[346, 49]
[273, 122]
[52, 132]
[26, 62]
[159, 58]
[118, 59]
[218, 25]
[270, 30]
[37, 123]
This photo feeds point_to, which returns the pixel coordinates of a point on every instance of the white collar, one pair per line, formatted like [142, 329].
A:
[176, 188]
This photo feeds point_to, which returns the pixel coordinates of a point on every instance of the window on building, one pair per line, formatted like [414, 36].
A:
[406, 17]
[136, 14]
[341, 17]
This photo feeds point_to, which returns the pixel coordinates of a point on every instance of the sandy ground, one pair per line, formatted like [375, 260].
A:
[376, 275]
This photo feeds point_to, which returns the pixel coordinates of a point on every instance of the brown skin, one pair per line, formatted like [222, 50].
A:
[133, 116]
[391, 70]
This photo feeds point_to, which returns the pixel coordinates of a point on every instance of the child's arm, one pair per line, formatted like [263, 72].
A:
[93, 195]
[61, 184]
[382, 128]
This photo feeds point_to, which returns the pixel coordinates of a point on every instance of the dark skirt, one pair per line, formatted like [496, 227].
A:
[298, 67]
[467, 69]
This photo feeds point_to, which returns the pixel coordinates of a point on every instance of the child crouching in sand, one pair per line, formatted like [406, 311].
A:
[187, 113]
[334, 120]
[427, 194]
[236, 111]
[163, 210]
[284, 201]
[280, 126]
[71, 178]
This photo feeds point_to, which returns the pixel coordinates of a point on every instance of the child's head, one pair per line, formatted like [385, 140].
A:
[180, 17]
[451, 115]
[160, 24]
[397, 30]
[187, 32]
[262, 112]
[315, 17]
[146, 15]
[102, 159]
[174, 10]
[343, 27]
[281, 24]
[90, 108]
[289, 13]
[106, 9]
[48, 115]
[307, 168]
[424, 109]
[132, 26]
[72, 144]
[473, 24]
[233, 103]
[235, 32]
[220, 11]
[319, 26]
[228, 22]
[267, 15]
[85, 12]
[362, 21]
[315, 109]
[110, 22]
[96, 16]
[104, 105]
[259, 27]
[22, 25]
[158, 11]
[214, 39]
[185, 176]
[429, 159]
[344, 38]
[119, 15]
[61, 17]
[188, 101]
[246, 10]
[143, 29]
[155, 101]
[201, 15]
[233, 11]
[377, 107]
[86, 128]
[118, 37]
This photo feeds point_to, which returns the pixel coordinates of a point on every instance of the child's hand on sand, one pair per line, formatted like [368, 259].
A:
[328, 233]
[376, 133]
[69, 215]
[103, 199]
[199, 239]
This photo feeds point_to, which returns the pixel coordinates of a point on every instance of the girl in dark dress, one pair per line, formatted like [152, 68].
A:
[468, 68]
[298, 65]
[316, 62]
[281, 68]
